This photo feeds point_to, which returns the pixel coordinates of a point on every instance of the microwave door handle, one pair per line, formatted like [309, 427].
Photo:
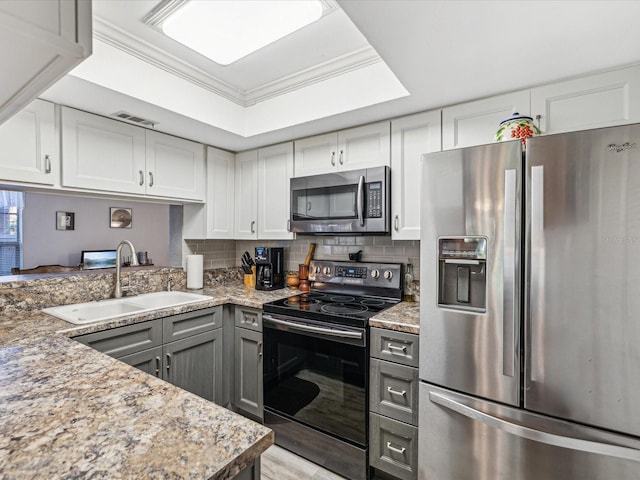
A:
[360, 201]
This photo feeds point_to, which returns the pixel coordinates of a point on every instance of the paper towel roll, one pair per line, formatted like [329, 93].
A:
[194, 271]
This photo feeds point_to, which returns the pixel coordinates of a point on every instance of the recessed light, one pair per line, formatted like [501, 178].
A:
[227, 30]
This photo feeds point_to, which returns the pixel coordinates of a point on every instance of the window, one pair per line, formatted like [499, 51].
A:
[11, 204]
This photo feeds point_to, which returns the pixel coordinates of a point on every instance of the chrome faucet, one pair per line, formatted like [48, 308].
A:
[134, 263]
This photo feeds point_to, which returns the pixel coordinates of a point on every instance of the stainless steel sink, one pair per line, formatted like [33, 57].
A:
[90, 312]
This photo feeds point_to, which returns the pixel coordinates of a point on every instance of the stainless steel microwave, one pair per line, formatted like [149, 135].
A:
[355, 202]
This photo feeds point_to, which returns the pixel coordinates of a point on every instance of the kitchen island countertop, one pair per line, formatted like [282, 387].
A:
[68, 411]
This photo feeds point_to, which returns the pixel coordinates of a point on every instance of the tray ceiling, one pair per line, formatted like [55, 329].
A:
[363, 61]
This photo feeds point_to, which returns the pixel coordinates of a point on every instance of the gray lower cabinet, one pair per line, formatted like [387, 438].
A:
[195, 364]
[149, 361]
[248, 384]
[393, 403]
[185, 350]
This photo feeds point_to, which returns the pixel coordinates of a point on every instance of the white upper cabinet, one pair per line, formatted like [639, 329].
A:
[475, 123]
[602, 100]
[102, 154]
[359, 147]
[111, 156]
[411, 137]
[246, 196]
[215, 218]
[275, 169]
[364, 147]
[314, 155]
[30, 146]
[175, 167]
[40, 41]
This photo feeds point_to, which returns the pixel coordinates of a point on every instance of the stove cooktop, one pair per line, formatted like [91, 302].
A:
[331, 307]
[348, 293]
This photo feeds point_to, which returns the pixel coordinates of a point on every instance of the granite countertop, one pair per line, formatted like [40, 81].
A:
[69, 411]
[403, 317]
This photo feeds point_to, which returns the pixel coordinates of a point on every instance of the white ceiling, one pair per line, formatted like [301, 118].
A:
[363, 61]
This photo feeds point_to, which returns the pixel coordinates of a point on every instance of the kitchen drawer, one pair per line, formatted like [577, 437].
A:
[394, 447]
[177, 327]
[250, 318]
[121, 341]
[398, 347]
[394, 391]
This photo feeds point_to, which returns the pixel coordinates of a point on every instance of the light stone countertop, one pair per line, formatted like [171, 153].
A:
[403, 317]
[68, 411]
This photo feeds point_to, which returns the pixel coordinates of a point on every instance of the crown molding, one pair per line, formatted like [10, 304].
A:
[116, 37]
[318, 73]
[124, 41]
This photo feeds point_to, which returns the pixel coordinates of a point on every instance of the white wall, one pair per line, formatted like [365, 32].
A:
[44, 245]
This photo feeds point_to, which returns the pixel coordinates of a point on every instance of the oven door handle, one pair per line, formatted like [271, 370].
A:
[312, 329]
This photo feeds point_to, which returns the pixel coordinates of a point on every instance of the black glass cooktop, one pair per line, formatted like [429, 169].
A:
[331, 307]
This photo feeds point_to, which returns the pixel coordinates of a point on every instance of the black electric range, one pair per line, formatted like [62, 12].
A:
[346, 293]
[316, 363]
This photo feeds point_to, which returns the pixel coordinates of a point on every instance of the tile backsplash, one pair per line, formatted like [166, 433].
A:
[227, 253]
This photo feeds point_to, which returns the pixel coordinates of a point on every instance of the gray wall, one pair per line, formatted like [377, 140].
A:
[44, 245]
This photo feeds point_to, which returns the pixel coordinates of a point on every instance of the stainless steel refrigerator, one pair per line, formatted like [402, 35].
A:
[530, 309]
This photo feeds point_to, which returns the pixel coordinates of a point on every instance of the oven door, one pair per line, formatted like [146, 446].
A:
[316, 374]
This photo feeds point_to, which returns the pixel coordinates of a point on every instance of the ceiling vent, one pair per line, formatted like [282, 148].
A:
[135, 119]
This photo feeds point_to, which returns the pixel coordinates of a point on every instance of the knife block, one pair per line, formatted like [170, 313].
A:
[250, 279]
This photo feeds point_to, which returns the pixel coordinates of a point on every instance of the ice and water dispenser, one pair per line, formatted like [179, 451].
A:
[462, 275]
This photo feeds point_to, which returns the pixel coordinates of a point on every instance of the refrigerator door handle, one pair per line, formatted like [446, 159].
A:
[532, 434]
[510, 251]
[536, 225]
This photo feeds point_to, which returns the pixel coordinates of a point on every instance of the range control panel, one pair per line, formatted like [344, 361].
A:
[351, 272]
[386, 275]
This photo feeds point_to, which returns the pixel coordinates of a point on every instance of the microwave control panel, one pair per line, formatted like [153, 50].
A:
[374, 200]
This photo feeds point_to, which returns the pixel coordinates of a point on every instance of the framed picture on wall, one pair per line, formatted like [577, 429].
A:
[120, 217]
[65, 221]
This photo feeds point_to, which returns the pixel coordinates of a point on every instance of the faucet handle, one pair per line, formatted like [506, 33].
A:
[169, 283]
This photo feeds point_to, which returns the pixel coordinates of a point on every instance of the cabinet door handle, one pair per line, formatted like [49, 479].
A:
[395, 348]
[47, 164]
[260, 349]
[157, 366]
[253, 224]
[396, 392]
[151, 179]
[340, 159]
[168, 361]
[288, 225]
[396, 449]
[141, 177]
[333, 159]
[396, 223]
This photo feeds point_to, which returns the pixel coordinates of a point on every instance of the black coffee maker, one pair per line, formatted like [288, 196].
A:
[269, 268]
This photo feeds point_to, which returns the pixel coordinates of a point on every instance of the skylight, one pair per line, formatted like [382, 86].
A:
[228, 30]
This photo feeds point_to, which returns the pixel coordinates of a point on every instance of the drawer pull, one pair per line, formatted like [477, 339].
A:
[395, 348]
[395, 449]
[396, 392]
